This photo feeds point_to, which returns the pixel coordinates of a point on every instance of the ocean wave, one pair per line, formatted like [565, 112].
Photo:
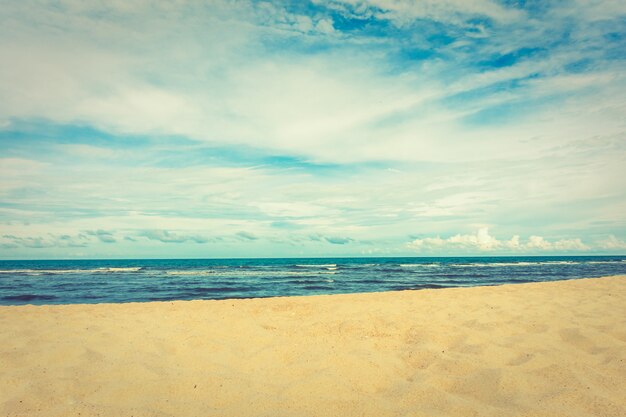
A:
[70, 271]
[496, 264]
[29, 297]
[606, 262]
[316, 266]
[196, 272]
[431, 265]
[504, 264]
[124, 269]
[319, 287]
[248, 273]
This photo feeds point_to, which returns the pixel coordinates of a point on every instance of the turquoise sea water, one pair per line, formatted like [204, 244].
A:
[106, 281]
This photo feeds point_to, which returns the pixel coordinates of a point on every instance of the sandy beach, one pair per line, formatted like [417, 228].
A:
[544, 349]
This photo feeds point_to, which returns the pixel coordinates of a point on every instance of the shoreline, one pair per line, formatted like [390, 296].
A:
[540, 349]
[306, 296]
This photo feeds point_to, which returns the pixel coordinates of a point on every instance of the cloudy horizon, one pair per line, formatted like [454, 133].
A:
[312, 128]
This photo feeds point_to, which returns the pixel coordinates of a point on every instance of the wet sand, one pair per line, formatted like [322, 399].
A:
[544, 349]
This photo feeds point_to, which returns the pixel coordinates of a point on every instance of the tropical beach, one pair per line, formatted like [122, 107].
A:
[535, 349]
[312, 208]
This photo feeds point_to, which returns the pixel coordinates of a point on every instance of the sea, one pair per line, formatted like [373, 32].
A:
[142, 280]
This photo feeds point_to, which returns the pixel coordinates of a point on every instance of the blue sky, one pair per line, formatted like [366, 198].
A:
[312, 128]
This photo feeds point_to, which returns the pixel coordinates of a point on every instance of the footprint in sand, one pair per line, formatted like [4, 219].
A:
[576, 339]
[521, 359]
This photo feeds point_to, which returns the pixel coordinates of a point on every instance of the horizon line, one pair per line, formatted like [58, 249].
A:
[314, 257]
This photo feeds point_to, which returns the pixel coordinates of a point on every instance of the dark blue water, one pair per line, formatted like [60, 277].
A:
[106, 281]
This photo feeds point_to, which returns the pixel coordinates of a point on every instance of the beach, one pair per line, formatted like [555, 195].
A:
[536, 349]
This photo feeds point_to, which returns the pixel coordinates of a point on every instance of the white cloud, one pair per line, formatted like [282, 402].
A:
[19, 172]
[335, 240]
[325, 26]
[156, 69]
[48, 240]
[593, 10]
[612, 243]
[538, 243]
[529, 147]
[570, 245]
[403, 12]
[13, 167]
[166, 236]
[104, 236]
[482, 241]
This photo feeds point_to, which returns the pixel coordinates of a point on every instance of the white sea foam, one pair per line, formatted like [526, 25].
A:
[20, 271]
[124, 269]
[222, 272]
[317, 266]
[605, 262]
[248, 273]
[501, 264]
[195, 272]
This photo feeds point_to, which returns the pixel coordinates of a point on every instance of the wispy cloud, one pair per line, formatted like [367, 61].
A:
[41, 242]
[102, 235]
[246, 236]
[612, 243]
[357, 122]
[335, 240]
[166, 236]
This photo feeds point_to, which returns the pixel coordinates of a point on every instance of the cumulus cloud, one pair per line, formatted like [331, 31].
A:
[539, 243]
[482, 241]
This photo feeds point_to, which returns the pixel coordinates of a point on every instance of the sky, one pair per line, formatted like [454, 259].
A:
[193, 129]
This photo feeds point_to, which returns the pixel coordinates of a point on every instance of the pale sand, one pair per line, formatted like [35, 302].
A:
[547, 349]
